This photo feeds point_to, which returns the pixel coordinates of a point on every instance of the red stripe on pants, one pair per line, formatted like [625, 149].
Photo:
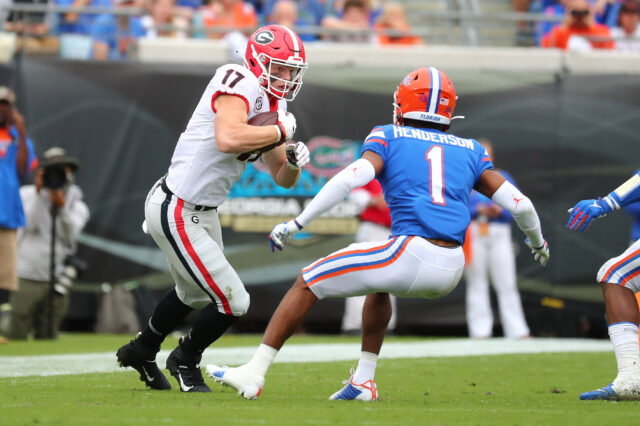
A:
[194, 256]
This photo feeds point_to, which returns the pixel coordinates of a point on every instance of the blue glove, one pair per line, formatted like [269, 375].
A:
[541, 254]
[585, 211]
[281, 233]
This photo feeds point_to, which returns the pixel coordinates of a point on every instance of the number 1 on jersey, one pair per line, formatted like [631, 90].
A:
[436, 174]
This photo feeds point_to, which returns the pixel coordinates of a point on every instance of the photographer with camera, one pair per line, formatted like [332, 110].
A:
[41, 302]
[17, 158]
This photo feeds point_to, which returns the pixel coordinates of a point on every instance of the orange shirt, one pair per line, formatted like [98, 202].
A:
[559, 36]
[402, 40]
[242, 15]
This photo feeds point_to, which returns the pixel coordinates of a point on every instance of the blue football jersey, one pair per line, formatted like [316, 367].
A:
[427, 178]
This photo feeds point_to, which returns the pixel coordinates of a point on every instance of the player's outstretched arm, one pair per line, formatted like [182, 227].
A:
[585, 211]
[235, 136]
[493, 185]
[355, 175]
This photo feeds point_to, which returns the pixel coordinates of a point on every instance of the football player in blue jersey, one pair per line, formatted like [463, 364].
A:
[427, 176]
[620, 279]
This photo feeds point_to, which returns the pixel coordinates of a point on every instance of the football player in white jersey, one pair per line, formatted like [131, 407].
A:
[181, 208]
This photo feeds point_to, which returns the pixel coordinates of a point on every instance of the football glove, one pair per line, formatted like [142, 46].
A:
[282, 232]
[541, 254]
[286, 126]
[585, 211]
[297, 155]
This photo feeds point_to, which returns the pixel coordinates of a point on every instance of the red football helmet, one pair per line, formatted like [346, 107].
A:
[274, 45]
[425, 94]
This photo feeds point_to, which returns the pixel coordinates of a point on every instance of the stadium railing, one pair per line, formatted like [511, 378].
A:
[451, 53]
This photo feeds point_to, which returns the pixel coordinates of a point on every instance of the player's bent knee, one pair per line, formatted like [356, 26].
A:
[605, 275]
[239, 304]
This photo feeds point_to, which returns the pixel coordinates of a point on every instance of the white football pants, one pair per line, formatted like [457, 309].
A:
[352, 318]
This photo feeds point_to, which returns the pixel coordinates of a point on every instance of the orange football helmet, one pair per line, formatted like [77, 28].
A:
[425, 94]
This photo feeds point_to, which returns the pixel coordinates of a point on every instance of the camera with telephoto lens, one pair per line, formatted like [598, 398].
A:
[54, 176]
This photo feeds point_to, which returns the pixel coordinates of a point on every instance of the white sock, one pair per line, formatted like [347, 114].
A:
[366, 367]
[262, 359]
[624, 336]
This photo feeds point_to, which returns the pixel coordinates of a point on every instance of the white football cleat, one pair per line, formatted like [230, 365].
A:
[628, 390]
[367, 391]
[247, 383]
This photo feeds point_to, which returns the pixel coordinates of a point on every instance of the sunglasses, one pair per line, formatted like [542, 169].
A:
[578, 13]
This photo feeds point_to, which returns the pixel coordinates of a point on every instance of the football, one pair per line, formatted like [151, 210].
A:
[264, 119]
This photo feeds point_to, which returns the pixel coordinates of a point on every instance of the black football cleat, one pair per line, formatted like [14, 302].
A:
[130, 355]
[186, 370]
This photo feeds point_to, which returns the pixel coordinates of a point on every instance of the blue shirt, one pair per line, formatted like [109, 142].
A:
[105, 29]
[11, 213]
[83, 24]
[427, 178]
[477, 198]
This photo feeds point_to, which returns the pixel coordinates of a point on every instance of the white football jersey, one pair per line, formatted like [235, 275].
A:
[199, 173]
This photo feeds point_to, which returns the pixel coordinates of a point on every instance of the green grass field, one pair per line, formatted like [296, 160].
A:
[479, 390]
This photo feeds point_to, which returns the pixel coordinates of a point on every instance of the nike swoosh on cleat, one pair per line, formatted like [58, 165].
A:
[149, 378]
[184, 387]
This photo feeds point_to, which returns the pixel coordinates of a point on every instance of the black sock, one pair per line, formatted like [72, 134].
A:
[4, 296]
[209, 326]
[169, 312]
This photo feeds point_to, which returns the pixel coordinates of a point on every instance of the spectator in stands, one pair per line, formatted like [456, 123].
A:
[335, 8]
[79, 23]
[308, 13]
[34, 27]
[232, 15]
[53, 188]
[353, 26]
[113, 36]
[393, 27]
[579, 30]
[162, 21]
[627, 33]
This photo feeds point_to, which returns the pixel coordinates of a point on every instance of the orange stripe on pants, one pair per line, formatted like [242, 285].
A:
[638, 299]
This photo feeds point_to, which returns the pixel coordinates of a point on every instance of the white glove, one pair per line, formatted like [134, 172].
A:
[282, 232]
[297, 155]
[286, 126]
[541, 254]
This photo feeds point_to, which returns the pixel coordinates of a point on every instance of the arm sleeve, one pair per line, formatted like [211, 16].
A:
[357, 174]
[625, 194]
[505, 216]
[511, 199]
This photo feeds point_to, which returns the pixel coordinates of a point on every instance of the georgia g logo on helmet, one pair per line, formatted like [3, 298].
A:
[264, 37]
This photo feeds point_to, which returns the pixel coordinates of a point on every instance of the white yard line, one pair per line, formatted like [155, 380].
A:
[105, 362]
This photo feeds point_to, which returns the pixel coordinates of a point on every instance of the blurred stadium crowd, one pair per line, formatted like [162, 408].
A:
[105, 29]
